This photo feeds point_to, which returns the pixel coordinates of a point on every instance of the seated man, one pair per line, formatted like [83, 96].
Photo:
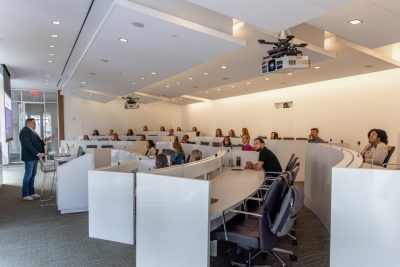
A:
[195, 155]
[266, 159]
[185, 139]
[313, 137]
[115, 137]
[171, 132]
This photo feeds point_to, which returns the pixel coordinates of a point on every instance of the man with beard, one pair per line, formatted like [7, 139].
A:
[266, 159]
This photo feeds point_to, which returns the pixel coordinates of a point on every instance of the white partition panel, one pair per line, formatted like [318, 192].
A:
[365, 217]
[111, 206]
[72, 184]
[172, 222]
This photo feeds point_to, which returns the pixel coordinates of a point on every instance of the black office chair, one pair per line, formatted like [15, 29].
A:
[204, 143]
[270, 176]
[216, 144]
[254, 234]
[102, 139]
[301, 138]
[91, 146]
[107, 146]
[288, 138]
[390, 153]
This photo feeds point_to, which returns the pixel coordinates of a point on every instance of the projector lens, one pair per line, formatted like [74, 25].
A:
[271, 65]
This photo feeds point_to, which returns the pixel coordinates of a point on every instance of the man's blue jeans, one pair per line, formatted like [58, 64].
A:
[29, 178]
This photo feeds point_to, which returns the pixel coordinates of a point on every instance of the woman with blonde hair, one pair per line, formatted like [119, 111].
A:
[231, 133]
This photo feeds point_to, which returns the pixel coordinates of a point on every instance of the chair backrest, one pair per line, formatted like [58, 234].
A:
[288, 138]
[216, 144]
[293, 173]
[80, 152]
[390, 153]
[204, 143]
[107, 146]
[91, 146]
[102, 139]
[301, 138]
[290, 162]
[270, 209]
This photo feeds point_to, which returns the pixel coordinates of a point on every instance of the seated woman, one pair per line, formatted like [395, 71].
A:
[218, 133]
[179, 156]
[115, 137]
[95, 132]
[246, 143]
[178, 129]
[185, 139]
[245, 131]
[227, 142]
[231, 133]
[274, 135]
[145, 129]
[143, 138]
[377, 150]
[195, 155]
[111, 132]
[162, 129]
[86, 137]
[129, 132]
[161, 161]
[151, 149]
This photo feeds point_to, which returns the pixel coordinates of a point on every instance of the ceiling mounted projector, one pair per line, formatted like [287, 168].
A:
[284, 55]
[131, 102]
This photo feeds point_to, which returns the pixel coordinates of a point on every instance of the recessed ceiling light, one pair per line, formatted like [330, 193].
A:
[207, 92]
[142, 78]
[317, 67]
[248, 83]
[218, 89]
[153, 73]
[52, 46]
[51, 55]
[290, 74]
[267, 79]
[190, 78]
[205, 73]
[167, 86]
[47, 75]
[138, 24]
[232, 86]
[50, 61]
[133, 83]
[56, 22]
[355, 21]
[123, 40]
[223, 67]
[178, 83]
[53, 35]
[83, 82]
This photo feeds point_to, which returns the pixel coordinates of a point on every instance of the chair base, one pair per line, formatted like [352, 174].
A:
[293, 257]
[51, 195]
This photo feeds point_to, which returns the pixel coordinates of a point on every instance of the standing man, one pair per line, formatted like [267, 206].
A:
[266, 159]
[32, 147]
[314, 138]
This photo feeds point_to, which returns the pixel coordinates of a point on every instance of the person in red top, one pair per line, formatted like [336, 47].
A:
[246, 143]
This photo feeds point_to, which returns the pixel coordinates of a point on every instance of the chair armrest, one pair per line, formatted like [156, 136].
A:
[236, 211]
[254, 198]
[266, 173]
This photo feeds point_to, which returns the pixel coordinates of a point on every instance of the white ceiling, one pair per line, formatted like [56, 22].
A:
[203, 41]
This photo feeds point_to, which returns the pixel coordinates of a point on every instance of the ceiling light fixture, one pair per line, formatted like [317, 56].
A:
[290, 74]
[178, 83]
[207, 92]
[53, 35]
[218, 89]
[167, 86]
[51, 55]
[317, 67]
[355, 21]
[123, 40]
[56, 22]
[248, 83]
[47, 75]
[133, 83]
[267, 79]
[224, 67]
[141, 78]
[50, 61]
[205, 73]
[232, 86]
[83, 82]
[46, 81]
[52, 46]
[153, 73]
[190, 78]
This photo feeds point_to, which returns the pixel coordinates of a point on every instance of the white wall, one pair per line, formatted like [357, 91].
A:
[343, 109]
[82, 116]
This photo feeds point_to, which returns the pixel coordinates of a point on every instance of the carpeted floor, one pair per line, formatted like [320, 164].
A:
[31, 235]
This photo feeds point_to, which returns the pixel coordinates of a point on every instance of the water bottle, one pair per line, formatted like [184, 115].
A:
[238, 161]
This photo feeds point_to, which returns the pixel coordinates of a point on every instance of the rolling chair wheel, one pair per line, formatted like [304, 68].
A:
[292, 232]
[294, 243]
[293, 257]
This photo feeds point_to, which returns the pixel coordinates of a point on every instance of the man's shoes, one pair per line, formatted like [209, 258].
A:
[28, 198]
[35, 196]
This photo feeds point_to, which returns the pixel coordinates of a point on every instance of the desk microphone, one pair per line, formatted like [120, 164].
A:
[341, 142]
[330, 141]
[358, 149]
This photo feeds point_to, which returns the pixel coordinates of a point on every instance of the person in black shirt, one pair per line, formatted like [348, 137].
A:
[266, 159]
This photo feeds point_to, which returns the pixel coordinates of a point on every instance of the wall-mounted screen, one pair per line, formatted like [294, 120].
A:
[6, 84]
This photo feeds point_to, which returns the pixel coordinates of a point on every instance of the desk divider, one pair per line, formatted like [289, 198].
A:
[172, 221]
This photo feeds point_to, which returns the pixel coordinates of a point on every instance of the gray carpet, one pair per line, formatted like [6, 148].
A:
[31, 235]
